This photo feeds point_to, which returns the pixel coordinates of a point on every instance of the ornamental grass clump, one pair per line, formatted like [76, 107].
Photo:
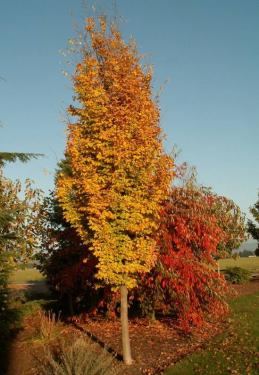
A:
[82, 357]
[49, 325]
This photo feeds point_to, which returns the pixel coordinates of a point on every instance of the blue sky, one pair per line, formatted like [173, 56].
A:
[207, 50]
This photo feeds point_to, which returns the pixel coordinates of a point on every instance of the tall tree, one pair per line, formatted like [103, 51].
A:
[120, 173]
[253, 229]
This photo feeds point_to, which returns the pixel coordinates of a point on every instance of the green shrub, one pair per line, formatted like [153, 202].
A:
[237, 275]
[4, 295]
[81, 357]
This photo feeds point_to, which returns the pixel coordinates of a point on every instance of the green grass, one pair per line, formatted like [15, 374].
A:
[236, 351]
[25, 276]
[251, 264]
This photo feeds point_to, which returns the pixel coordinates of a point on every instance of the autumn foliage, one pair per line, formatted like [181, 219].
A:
[124, 225]
[120, 173]
[184, 281]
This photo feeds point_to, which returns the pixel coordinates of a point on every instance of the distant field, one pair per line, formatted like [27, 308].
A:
[251, 264]
[32, 274]
[25, 276]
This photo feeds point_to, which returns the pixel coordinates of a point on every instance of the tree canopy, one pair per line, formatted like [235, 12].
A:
[120, 173]
[253, 227]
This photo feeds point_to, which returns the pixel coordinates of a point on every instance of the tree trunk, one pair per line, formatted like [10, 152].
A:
[125, 327]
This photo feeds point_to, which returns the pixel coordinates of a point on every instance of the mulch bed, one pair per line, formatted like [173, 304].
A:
[155, 345]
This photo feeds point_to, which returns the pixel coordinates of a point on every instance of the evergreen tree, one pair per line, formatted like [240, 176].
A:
[10, 157]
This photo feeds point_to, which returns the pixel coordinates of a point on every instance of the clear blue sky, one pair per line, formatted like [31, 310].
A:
[207, 49]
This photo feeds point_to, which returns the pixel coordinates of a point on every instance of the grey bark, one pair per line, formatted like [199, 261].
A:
[125, 326]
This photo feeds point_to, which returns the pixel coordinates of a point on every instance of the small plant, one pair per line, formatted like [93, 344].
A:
[48, 325]
[82, 357]
[237, 275]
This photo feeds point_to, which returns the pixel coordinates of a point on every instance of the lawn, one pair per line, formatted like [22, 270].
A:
[236, 351]
[25, 276]
[251, 264]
